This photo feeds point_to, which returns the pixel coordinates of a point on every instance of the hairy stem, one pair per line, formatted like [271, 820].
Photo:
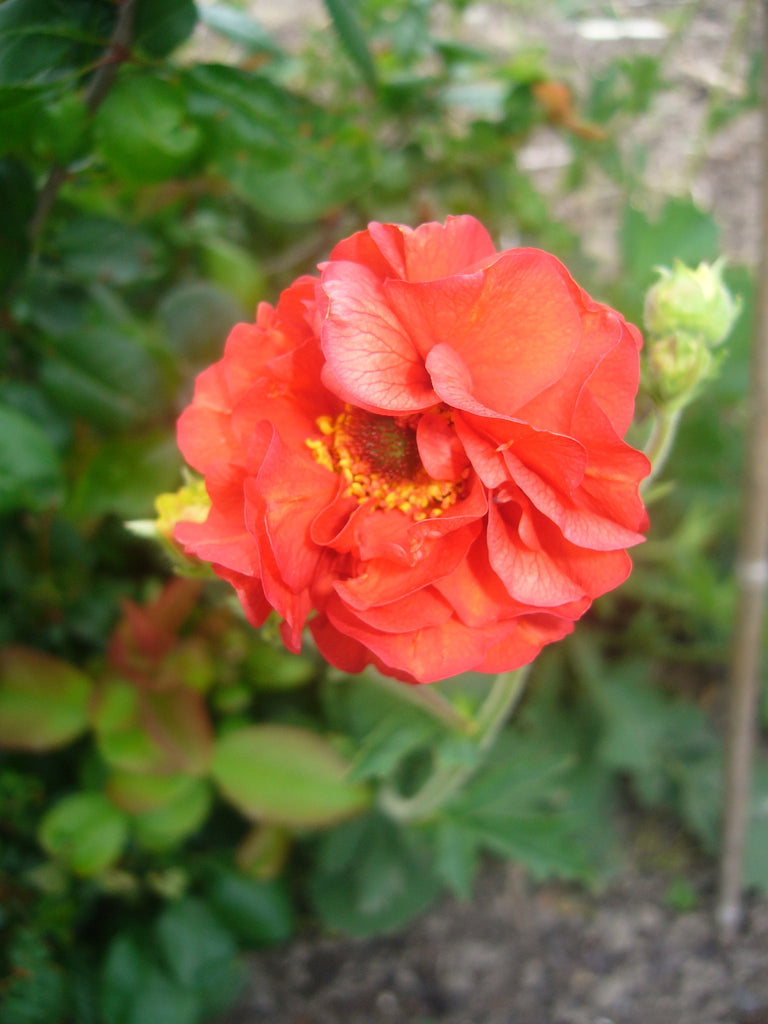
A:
[446, 780]
[659, 444]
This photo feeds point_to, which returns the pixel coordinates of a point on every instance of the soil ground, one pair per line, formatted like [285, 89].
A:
[520, 953]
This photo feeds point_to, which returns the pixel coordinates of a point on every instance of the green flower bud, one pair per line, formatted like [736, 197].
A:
[695, 302]
[675, 365]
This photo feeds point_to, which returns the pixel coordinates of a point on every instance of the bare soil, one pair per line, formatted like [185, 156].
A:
[524, 954]
[518, 952]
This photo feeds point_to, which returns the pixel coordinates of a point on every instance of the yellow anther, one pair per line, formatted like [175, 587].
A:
[378, 458]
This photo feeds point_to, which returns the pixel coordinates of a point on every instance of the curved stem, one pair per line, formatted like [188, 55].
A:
[428, 699]
[445, 780]
[659, 445]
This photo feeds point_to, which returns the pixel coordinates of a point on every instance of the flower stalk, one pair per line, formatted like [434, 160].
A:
[447, 779]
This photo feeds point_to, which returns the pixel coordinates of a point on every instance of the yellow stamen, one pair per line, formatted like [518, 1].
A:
[379, 459]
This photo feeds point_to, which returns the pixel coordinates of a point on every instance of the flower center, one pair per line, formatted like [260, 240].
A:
[379, 458]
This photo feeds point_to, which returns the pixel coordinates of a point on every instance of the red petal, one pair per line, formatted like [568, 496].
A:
[530, 575]
[381, 248]
[383, 580]
[440, 450]
[429, 654]
[524, 643]
[433, 250]
[367, 349]
[514, 324]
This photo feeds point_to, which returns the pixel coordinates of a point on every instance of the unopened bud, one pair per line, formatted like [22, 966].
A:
[693, 302]
[675, 365]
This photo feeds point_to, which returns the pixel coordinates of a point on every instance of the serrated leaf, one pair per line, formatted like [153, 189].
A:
[456, 856]
[85, 831]
[285, 775]
[353, 38]
[43, 700]
[387, 878]
[543, 843]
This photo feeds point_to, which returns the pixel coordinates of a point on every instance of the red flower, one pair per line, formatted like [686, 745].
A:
[420, 454]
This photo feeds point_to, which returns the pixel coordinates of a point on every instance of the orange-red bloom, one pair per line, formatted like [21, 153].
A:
[419, 454]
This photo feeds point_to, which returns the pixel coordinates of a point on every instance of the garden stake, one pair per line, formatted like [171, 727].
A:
[751, 572]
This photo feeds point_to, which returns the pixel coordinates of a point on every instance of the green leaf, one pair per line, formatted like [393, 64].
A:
[456, 856]
[239, 27]
[138, 792]
[283, 155]
[383, 879]
[34, 988]
[257, 913]
[102, 375]
[96, 248]
[143, 129]
[135, 991]
[20, 107]
[352, 36]
[196, 318]
[681, 231]
[17, 199]
[85, 831]
[31, 475]
[285, 775]
[159, 26]
[245, 115]
[544, 843]
[272, 669]
[162, 828]
[125, 476]
[42, 40]
[152, 732]
[199, 952]
[235, 270]
[43, 700]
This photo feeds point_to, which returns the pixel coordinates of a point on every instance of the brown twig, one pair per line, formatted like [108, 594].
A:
[116, 52]
[752, 575]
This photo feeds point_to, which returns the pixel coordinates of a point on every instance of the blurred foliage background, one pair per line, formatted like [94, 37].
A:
[164, 167]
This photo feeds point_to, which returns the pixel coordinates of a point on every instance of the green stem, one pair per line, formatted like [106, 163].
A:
[659, 445]
[445, 780]
[428, 699]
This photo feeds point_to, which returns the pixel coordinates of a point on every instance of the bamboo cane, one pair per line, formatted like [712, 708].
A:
[752, 576]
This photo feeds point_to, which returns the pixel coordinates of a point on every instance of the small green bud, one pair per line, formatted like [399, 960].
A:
[695, 302]
[675, 365]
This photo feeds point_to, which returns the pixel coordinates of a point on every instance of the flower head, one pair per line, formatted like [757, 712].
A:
[418, 454]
